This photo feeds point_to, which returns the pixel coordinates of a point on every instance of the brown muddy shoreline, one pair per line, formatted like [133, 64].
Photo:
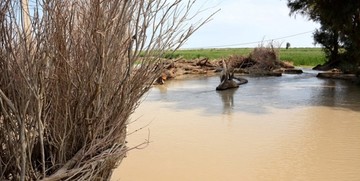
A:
[182, 69]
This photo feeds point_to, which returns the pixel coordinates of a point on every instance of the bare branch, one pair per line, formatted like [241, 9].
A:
[72, 73]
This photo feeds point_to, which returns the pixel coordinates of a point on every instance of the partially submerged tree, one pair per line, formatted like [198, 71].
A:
[227, 77]
[340, 28]
[72, 76]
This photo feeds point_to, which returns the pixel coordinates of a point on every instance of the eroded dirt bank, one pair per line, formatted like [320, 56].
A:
[239, 65]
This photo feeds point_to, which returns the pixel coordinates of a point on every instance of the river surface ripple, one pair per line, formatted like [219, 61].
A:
[294, 127]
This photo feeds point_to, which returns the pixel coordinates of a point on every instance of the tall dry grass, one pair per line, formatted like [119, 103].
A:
[70, 77]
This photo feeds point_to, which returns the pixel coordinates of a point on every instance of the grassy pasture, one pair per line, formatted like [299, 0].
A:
[299, 56]
[303, 56]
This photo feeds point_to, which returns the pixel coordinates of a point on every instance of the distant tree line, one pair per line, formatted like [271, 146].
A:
[339, 33]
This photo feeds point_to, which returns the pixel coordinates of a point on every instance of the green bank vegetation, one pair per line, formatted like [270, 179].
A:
[298, 56]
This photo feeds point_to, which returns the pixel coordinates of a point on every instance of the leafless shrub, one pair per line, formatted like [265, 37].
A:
[238, 61]
[71, 75]
[266, 57]
[263, 60]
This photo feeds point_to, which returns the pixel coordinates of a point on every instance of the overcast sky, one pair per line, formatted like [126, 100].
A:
[240, 23]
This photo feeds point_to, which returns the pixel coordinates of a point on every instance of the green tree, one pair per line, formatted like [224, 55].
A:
[340, 28]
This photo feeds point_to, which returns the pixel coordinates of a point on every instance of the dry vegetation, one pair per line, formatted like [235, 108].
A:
[71, 75]
[263, 60]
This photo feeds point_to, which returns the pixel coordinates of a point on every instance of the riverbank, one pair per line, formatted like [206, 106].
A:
[297, 56]
[261, 61]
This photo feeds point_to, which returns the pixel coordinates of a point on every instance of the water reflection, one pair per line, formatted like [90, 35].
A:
[337, 94]
[288, 91]
[227, 98]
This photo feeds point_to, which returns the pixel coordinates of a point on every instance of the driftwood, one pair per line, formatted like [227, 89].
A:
[228, 80]
[261, 62]
[174, 68]
[337, 75]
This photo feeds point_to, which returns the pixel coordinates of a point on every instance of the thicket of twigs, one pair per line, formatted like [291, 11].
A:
[71, 75]
[261, 59]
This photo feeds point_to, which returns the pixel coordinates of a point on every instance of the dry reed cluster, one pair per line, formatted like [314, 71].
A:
[70, 77]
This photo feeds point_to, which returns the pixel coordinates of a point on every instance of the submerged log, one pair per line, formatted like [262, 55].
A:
[289, 71]
[293, 71]
[337, 75]
[231, 83]
[228, 80]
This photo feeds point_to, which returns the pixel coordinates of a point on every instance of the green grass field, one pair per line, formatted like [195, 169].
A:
[299, 56]
[303, 56]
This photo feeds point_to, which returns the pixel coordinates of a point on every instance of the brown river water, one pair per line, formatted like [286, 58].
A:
[294, 127]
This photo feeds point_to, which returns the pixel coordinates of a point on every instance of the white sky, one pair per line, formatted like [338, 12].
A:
[243, 21]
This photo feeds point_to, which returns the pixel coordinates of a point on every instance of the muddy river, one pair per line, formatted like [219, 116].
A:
[294, 127]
